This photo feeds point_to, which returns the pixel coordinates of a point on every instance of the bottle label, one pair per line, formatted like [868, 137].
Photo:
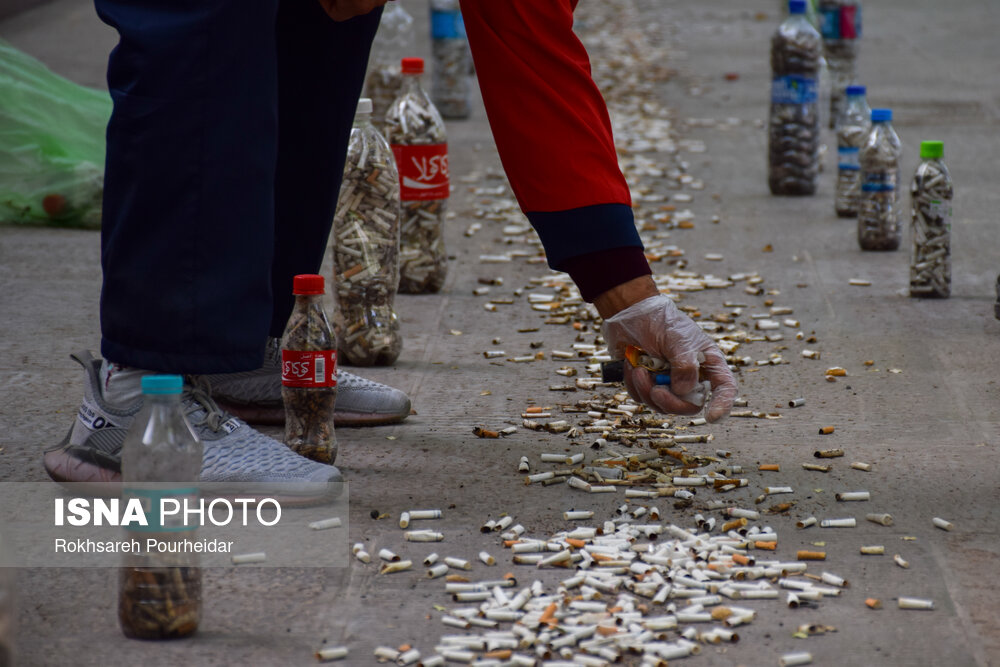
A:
[793, 89]
[447, 24]
[423, 171]
[842, 22]
[848, 158]
[878, 181]
[309, 369]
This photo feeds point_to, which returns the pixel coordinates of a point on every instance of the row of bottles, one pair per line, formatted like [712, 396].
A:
[868, 148]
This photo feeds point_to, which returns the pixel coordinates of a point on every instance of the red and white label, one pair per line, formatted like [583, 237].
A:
[309, 369]
[423, 171]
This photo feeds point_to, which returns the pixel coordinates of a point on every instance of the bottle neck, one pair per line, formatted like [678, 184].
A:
[164, 400]
[411, 83]
[362, 120]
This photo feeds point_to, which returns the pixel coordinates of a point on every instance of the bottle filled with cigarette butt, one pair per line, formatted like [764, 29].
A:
[853, 127]
[159, 595]
[309, 373]
[393, 39]
[365, 248]
[840, 26]
[793, 123]
[931, 194]
[878, 208]
[416, 133]
[450, 85]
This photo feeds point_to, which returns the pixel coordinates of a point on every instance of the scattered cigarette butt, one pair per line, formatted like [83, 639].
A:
[331, 653]
[847, 522]
[766, 545]
[942, 524]
[436, 571]
[900, 561]
[423, 536]
[859, 282]
[577, 515]
[398, 566]
[915, 603]
[769, 467]
[323, 524]
[858, 465]
[826, 430]
[881, 519]
[481, 432]
[873, 603]
[805, 523]
[836, 371]
[873, 550]
[246, 559]
[796, 402]
[828, 453]
[388, 555]
[487, 558]
[458, 563]
[849, 496]
[792, 659]
[816, 467]
[810, 555]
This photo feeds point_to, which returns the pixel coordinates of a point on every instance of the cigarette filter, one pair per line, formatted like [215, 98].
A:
[331, 653]
[915, 603]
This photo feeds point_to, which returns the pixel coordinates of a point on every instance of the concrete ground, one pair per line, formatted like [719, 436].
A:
[924, 413]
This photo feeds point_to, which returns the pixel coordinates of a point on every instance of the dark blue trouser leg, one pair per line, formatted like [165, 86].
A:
[199, 206]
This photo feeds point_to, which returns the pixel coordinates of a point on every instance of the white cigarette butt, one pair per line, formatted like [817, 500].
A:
[900, 562]
[915, 603]
[244, 559]
[387, 555]
[333, 522]
[486, 558]
[942, 524]
[848, 522]
[792, 659]
[853, 495]
[331, 653]
[436, 571]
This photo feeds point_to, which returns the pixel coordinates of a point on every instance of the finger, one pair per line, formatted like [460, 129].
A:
[683, 373]
[638, 382]
[666, 401]
[723, 386]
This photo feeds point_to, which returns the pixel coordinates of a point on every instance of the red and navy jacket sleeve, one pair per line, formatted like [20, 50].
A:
[553, 134]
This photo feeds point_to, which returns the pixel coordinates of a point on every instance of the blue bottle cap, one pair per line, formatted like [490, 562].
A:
[796, 6]
[881, 115]
[856, 90]
[162, 384]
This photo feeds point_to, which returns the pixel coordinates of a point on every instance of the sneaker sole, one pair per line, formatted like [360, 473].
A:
[276, 416]
[65, 467]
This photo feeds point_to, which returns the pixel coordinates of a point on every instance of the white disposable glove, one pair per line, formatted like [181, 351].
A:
[657, 327]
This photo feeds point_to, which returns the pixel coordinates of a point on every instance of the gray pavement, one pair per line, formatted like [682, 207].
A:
[930, 430]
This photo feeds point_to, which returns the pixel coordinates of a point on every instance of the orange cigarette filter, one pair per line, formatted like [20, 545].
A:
[826, 430]
[607, 631]
[534, 409]
[769, 546]
[811, 555]
[573, 542]
[549, 615]
[873, 603]
[741, 559]
[499, 654]
[734, 524]
[769, 467]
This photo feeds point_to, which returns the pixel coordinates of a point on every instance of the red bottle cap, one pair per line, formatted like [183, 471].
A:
[412, 65]
[308, 283]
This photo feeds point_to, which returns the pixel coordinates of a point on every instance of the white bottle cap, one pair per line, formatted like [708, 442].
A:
[364, 105]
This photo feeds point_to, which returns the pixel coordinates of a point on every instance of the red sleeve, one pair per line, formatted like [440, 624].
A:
[549, 120]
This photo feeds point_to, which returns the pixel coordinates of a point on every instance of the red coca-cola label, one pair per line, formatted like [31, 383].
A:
[423, 171]
[309, 369]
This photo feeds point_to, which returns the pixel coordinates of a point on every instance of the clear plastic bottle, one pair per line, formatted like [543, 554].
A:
[365, 248]
[931, 194]
[840, 26]
[450, 85]
[793, 124]
[160, 592]
[878, 208]
[309, 373]
[853, 127]
[393, 40]
[414, 129]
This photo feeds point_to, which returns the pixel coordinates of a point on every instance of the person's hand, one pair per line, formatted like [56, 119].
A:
[655, 325]
[341, 10]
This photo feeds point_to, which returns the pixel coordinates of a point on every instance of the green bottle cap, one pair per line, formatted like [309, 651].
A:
[162, 384]
[930, 150]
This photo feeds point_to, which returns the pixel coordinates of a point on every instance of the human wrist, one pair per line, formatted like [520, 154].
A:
[618, 298]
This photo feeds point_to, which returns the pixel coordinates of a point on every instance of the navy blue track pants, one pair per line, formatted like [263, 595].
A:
[225, 152]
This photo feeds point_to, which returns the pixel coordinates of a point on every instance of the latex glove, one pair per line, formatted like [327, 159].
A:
[661, 330]
[341, 10]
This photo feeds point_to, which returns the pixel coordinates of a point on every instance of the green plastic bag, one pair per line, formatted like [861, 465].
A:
[51, 145]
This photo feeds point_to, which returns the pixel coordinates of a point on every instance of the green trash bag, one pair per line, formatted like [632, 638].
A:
[51, 145]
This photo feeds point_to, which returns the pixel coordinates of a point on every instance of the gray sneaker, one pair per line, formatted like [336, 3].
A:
[256, 395]
[233, 451]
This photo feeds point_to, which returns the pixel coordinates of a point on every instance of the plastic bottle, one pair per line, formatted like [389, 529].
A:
[793, 124]
[450, 85]
[393, 40]
[365, 248]
[414, 129]
[853, 127]
[931, 194]
[840, 26]
[309, 373]
[878, 208]
[160, 592]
